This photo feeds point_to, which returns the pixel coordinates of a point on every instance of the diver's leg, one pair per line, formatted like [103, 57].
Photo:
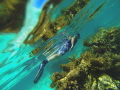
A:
[44, 62]
[54, 56]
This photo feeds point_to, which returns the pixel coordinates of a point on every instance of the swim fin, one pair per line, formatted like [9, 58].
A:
[40, 71]
[39, 74]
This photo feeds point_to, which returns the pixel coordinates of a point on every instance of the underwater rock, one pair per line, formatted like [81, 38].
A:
[98, 68]
[106, 82]
[10, 19]
[103, 82]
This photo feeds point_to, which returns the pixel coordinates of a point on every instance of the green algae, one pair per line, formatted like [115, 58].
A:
[98, 68]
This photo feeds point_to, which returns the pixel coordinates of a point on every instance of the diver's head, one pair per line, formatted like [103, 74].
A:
[77, 36]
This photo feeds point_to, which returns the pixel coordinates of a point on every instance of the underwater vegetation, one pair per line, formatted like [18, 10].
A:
[98, 68]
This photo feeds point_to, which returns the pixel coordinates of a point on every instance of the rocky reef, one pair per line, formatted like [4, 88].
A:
[10, 19]
[98, 68]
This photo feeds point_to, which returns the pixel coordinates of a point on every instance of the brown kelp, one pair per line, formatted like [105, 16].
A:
[98, 68]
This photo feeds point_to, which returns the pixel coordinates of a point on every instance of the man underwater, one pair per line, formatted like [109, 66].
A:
[68, 45]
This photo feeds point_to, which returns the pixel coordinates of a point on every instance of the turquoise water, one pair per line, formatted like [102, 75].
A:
[18, 69]
[39, 3]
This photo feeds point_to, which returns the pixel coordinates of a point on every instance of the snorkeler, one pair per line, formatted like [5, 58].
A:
[68, 45]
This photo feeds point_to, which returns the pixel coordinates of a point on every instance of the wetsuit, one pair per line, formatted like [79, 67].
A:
[65, 48]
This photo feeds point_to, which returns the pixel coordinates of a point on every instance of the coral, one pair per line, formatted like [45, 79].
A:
[103, 82]
[98, 68]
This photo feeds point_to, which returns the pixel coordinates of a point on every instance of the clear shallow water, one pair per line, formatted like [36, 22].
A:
[17, 73]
